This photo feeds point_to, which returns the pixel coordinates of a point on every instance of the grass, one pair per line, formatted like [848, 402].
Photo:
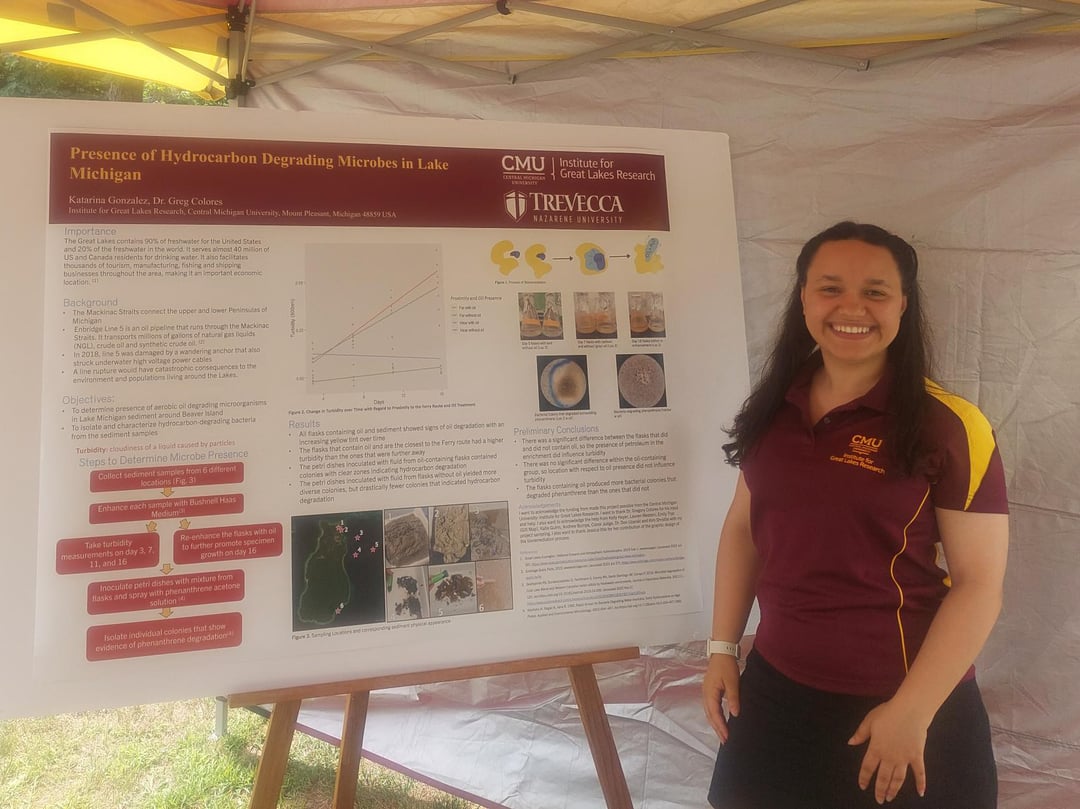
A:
[166, 757]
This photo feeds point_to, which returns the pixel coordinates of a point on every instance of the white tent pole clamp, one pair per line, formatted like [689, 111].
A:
[236, 20]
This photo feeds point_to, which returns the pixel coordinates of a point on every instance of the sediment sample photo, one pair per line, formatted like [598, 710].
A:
[494, 588]
[489, 527]
[452, 589]
[450, 538]
[406, 537]
[407, 596]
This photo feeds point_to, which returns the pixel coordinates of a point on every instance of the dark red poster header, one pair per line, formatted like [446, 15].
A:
[137, 179]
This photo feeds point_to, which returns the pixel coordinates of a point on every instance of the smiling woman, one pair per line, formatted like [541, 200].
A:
[846, 246]
[852, 303]
[870, 522]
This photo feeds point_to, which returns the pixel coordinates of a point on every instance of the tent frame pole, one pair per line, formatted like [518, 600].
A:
[357, 52]
[1052, 6]
[239, 17]
[360, 45]
[697, 37]
[968, 40]
[108, 33]
[137, 35]
[640, 43]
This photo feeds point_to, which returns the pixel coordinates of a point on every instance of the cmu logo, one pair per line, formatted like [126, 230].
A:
[862, 453]
[525, 164]
[864, 445]
[514, 202]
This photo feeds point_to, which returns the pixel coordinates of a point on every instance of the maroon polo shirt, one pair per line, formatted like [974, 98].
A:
[850, 577]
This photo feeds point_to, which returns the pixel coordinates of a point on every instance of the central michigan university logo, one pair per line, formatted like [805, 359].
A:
[516, 204]
[864, 445]
[862, 453]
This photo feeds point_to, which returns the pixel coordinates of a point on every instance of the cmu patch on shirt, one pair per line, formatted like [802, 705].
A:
[863, 451]
[852, 572]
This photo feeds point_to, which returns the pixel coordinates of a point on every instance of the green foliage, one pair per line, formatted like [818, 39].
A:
[154, 93]
[32, 78]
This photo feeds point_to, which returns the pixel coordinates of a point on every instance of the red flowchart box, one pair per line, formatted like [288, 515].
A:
[227, 542]
[113, 552]
[159, 592]
[164, 636]
[165, 477]
[165, 509]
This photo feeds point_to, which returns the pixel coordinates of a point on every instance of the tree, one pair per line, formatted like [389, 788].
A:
[33, 78]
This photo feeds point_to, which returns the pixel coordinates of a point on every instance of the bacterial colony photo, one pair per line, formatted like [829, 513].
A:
[563, 381]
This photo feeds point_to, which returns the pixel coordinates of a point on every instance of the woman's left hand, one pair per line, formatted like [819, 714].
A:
[897, 738]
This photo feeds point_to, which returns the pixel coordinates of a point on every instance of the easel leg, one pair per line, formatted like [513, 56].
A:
[598, 732]
[286, 701]
[352, 743]
[275, 755]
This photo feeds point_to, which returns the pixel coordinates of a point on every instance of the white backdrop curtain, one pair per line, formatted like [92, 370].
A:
[975, 157]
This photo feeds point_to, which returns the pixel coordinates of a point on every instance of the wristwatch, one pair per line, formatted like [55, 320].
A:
[723, 647]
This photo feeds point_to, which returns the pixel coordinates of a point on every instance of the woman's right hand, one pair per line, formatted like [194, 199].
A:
[721, 682]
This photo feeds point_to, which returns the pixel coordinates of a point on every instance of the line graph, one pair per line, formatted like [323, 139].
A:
[374, 318]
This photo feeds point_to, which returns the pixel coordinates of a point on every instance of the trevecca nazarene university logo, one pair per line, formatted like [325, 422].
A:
[515, 204]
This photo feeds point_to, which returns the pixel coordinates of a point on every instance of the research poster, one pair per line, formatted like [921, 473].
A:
[318, 406]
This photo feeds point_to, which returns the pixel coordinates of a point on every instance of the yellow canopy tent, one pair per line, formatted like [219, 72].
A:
[215, 46]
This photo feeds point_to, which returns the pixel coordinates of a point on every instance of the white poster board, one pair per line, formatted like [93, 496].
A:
[326, 397]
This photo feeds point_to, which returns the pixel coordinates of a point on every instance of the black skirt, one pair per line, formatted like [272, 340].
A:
[788, 749]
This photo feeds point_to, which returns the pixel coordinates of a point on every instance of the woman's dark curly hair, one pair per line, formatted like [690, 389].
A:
[909, 353]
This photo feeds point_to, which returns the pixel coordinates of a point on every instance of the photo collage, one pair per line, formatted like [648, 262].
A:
[400, 564]
[596, 320]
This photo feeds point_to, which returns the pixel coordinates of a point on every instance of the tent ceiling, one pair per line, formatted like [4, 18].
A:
[506, 41]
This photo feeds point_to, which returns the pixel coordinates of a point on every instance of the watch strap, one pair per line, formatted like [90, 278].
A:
[723, 647]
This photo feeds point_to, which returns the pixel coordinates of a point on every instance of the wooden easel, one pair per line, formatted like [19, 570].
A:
[286, 701]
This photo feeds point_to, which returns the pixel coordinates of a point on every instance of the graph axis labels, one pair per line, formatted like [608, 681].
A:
[374, 318]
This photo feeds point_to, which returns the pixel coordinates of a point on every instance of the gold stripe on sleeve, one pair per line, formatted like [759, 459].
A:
[980, 436]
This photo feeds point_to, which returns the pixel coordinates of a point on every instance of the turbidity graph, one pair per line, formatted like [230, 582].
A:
[374, 318]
